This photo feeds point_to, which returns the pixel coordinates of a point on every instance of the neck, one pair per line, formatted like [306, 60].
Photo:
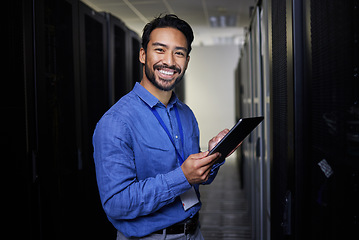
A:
[163, 96]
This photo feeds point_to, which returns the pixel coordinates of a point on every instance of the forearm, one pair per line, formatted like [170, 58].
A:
[144, 197]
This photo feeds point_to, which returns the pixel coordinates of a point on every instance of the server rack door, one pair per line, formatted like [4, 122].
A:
[243, 83]
[301, 127]
[57, 118]
[95, 101]
[257, 134]
[18, 131]
[282, 144]
[238, 87]
[247, 112]
[265, 15]
[93, 65]
[251, 138]
[117, 66]
[136, 64]
[334, 29]
[238, 107]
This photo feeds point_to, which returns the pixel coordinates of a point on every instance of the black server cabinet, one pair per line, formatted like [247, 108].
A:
[56, 116]
[17, 132]
[95, 101]
[282, 161]
[124, 66]
[118, 55]
[334, 119]
[257, 136]
[68, 200]
[56, 56]
[246, 88]
[289, 121]
[55, 191]
[136, 66]
[314, 95]
[238, 113]
[241, 105]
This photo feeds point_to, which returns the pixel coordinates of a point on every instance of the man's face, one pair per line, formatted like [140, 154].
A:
[166, 58]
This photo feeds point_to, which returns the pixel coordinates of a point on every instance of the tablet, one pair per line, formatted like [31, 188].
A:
[231, 141]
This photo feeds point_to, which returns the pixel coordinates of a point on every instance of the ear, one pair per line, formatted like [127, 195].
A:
[142, 56]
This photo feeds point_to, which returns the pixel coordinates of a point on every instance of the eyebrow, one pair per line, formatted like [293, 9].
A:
[166, 46]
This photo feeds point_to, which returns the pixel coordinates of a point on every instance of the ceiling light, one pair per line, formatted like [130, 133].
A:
[223, 21]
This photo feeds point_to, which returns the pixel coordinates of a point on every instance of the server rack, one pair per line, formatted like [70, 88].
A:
[257, 135]
[57, 55]
[95, 101]
[18, 125]
[334, 94]
[267, 141]
[118, 55]
[310, 92]
[240, 84]
[64, 163]
[254, 101]
[93, 67]
[136, 66]
[56, 107]
[282, 160]
[320, 49]
[246, 110]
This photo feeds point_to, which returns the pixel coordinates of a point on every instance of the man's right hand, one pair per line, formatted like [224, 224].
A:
[197, 167]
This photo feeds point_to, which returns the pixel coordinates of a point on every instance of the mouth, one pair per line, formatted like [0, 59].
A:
[167, 73]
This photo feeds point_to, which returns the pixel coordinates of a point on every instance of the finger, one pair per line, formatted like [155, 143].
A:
[207, 174]
[223, 133]
[199, 155]
[205, 162]
[220, 135]
[211, 159]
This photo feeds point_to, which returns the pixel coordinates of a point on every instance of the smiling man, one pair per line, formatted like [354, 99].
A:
[165, 59]
[146, 147]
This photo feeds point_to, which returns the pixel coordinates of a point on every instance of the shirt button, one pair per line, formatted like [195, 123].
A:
[176, 136]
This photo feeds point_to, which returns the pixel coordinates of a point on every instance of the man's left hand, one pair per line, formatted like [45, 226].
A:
[213, 142]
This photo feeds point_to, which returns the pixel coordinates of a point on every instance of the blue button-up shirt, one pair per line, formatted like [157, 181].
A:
[138, 174]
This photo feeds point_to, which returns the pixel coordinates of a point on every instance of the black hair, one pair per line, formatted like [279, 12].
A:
[169, 20]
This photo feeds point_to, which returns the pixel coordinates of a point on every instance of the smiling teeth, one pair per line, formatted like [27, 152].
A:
[166, 72]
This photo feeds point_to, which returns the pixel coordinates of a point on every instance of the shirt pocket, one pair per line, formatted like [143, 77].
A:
[154, 158]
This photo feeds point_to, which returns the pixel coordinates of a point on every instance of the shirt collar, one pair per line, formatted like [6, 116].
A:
[151, 100]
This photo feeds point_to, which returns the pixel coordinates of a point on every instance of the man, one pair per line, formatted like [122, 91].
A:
[146, 147]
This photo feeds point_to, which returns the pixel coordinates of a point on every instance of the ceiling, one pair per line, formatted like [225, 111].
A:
[214, 22]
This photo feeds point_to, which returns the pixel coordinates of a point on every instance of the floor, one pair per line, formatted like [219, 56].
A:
[224, 214]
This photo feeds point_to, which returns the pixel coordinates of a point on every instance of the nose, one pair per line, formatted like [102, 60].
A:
[168, 58]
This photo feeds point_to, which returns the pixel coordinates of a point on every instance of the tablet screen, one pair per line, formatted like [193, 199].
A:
[231, 141]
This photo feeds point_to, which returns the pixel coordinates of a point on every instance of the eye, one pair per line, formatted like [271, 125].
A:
[160, 50]
[180, 54]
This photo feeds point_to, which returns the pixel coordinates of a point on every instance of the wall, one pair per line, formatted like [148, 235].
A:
[209, 87]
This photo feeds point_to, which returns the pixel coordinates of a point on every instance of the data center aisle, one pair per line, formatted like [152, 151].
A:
[224, 214]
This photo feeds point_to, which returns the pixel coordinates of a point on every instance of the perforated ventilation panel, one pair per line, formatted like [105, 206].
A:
[280, 115]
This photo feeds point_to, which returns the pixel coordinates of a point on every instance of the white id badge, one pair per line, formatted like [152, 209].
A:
[189, 199]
